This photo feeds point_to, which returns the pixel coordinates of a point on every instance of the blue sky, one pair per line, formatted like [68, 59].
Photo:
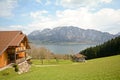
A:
[29, 15]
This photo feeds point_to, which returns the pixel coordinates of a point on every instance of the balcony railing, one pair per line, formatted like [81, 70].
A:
[14, 50]
[20, 49]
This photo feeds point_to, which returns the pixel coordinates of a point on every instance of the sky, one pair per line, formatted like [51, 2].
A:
[30, 15]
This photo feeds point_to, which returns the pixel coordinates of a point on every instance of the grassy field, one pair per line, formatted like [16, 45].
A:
[107, 68]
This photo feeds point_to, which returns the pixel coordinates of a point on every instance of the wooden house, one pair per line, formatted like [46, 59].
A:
[13, 45]
[78, 58]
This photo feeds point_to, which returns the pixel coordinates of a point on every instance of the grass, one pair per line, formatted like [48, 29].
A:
[107, 68]
[51, 62]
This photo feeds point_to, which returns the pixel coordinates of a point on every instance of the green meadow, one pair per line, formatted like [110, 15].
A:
[107, 68]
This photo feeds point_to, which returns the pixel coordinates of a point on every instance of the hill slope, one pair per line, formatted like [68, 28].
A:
[97, 69]
[109, 48]
[70, 34]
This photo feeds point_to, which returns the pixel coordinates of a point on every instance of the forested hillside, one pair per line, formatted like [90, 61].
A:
[109, 48]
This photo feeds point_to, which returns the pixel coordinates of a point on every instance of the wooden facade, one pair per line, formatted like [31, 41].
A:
[3, 59]
[13, 47]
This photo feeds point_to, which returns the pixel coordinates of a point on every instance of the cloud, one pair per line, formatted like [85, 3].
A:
[26, 29]
[40, 15]
[81, 3]
[105, 19]
[106, 1]
[39, 1]
[6, 7]
[48, 2]
[107, 16]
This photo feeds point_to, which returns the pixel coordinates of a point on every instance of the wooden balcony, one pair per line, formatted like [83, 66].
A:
[20, 49]
[16, 50]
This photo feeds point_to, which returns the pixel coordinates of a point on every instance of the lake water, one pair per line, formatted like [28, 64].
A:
[65, 48]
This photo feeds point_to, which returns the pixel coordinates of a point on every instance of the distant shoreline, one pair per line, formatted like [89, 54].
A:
[39, 42]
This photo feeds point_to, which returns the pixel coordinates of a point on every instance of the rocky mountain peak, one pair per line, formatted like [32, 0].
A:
[70, 34]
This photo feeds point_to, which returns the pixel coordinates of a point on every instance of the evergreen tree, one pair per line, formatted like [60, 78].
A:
[109, 48]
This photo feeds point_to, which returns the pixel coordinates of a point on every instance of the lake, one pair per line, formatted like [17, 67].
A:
[65, 48]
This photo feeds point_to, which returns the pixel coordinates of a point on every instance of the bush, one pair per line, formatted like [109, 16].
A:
[16, 67]
[29, 62]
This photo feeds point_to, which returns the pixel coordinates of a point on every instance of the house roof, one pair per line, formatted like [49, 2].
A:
[10, 38]
[17, 40]
[79, 55]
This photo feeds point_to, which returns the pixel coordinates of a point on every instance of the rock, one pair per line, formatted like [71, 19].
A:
[23, 67]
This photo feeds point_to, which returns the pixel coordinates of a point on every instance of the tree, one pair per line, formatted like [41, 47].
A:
[109, 48]
[42, 54]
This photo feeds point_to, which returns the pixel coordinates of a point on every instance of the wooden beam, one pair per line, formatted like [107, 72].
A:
[15, 57]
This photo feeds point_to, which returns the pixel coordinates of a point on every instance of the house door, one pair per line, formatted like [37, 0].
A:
[11, 58]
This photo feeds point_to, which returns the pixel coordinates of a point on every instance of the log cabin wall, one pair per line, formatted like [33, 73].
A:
[3, 59]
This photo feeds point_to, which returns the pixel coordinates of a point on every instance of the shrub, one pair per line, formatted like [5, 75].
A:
[29, 62]
[16, 67]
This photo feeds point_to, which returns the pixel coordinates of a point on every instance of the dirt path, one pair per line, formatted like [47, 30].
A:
[44, 65]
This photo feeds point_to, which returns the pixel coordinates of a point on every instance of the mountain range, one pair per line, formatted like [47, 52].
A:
[118, 33]
[70, 34]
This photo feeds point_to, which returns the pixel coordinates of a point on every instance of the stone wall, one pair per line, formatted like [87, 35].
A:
[23, 67]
